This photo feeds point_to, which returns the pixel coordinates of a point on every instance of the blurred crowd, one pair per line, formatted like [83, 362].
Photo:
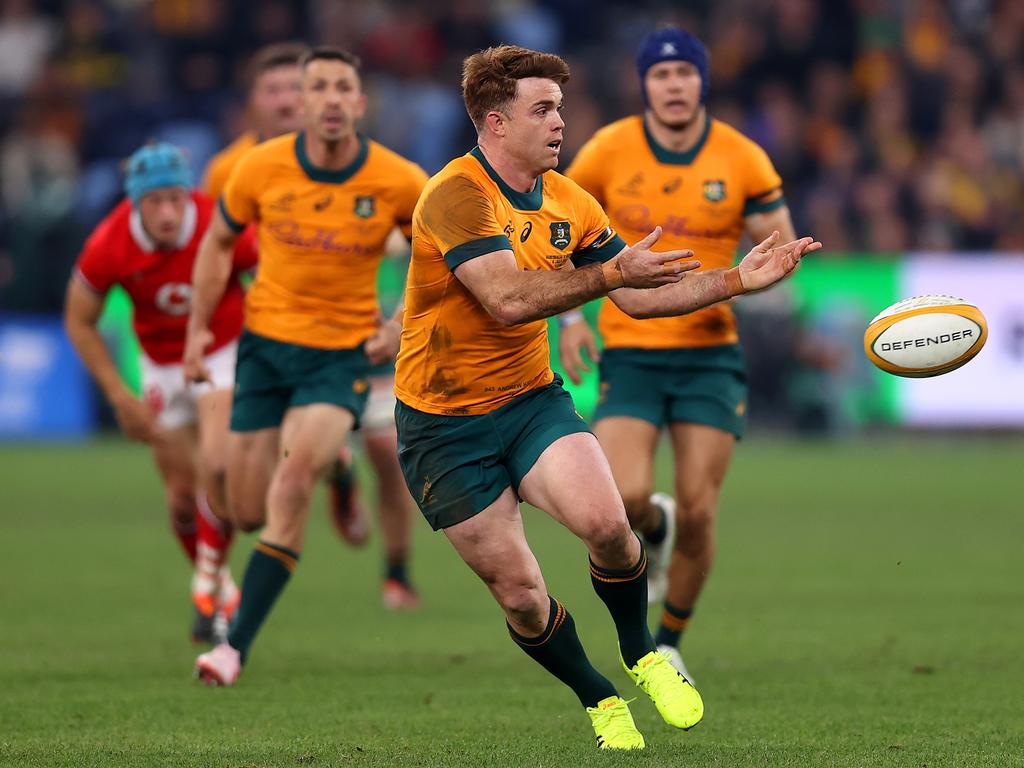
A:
[896, 124]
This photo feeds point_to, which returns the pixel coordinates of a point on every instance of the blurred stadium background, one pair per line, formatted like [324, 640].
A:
[898, 129]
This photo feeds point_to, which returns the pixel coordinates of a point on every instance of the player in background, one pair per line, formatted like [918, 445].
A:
[148, 245]
[324, 201]
[500, 242]
[704, 184]
[275, 108]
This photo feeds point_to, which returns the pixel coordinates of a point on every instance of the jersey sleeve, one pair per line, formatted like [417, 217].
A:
[239, 202]
[408, 195]
[459, 218]
[589, 168]
[598, 241]
[95, 266]
[763, 186]
[216, 177]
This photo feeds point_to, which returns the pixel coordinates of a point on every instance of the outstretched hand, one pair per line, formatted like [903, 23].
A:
[767, 263]
[643, 268]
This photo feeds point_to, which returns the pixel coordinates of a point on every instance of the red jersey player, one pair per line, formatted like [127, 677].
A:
[147, 245]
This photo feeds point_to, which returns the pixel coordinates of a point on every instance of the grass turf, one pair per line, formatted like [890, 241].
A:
[865, 611]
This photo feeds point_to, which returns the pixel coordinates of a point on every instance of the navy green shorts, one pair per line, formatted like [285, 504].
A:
[456, 466]
[273, 376]
[663, 386]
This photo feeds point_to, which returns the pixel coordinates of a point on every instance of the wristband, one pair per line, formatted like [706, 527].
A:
[612, 274]
[569, 318]
[733, 282]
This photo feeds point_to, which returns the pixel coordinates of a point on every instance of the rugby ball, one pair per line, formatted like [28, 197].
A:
[925, 336]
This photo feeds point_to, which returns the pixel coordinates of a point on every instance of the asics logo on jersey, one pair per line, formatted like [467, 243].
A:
[526, 232]
[174, 298]
[322, 203]
[669, 187]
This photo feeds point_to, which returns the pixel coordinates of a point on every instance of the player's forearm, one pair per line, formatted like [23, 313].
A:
[210, 275]
[695, 291]
[94, 354]
[536, 295]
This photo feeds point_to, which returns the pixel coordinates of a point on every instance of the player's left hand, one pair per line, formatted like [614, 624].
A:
[573, 338]
[382, 347]
[767, 263]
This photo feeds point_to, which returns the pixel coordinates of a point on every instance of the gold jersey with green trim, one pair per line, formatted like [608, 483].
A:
[321, 237]
[456, 359]
[699, 199]
[218, 170]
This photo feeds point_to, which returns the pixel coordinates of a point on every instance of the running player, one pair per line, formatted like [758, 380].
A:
[500, 242]
[704, 184]
[324, 201]
[275, 108]
[148, 245]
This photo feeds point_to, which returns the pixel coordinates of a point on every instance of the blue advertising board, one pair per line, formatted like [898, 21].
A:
[44, 389]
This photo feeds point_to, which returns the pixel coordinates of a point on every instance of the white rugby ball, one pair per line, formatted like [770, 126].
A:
[925, 336]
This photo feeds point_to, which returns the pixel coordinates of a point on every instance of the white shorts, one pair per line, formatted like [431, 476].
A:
[165, 391]
[380, 405]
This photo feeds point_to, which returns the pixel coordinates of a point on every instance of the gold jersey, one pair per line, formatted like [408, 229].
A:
[699, 198]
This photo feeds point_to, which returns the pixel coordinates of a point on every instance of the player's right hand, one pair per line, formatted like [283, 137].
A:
[194, 362]
[643, 268]
[572, 340]
[135, 418]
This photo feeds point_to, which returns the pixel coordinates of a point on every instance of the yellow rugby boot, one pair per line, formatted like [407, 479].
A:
[677, 701]
[614, 725]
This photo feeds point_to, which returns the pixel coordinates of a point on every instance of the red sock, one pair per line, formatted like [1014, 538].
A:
[215, 535]
[186, 535]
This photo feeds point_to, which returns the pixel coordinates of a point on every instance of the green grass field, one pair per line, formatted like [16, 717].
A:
[867, 609]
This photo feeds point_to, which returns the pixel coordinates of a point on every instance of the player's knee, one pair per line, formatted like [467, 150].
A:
[524, 603]
[696, 523]
[181, 503]
[609, 534]
[292, 485]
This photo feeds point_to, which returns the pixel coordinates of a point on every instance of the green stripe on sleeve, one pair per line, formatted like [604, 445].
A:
[598, 254]
[753, 206]
[236, 226]
[460, 254]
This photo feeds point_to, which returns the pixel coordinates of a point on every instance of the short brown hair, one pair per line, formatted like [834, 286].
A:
[329, 53]
[272, 56]
[490, 77]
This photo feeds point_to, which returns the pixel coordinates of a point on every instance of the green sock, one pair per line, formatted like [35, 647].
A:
[658, 534]
[673, 624]
[268, 571]
[559, 651]
[624, 592]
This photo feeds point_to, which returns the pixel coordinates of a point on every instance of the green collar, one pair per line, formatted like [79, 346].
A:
[322, 174]
[521, 201]
[669, 157]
